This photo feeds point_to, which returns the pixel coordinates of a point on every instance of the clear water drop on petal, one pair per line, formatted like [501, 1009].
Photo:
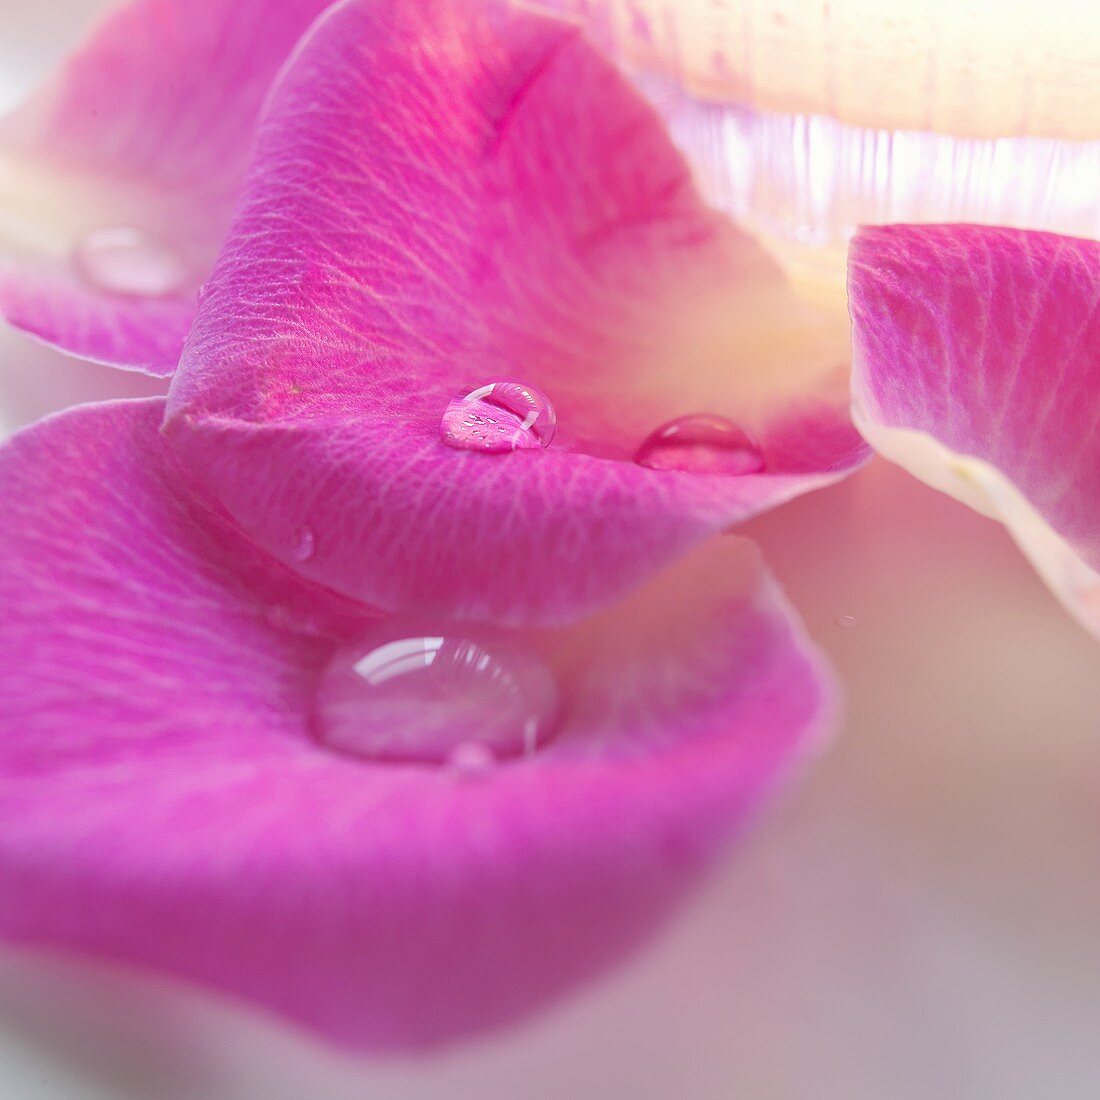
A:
[501, 416]
[122, 260]
[411, 692]
[846, 622]
[293, 620]
[701, 443]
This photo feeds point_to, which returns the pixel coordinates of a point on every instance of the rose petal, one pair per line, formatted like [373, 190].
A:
[147, 130]
[977, 368]
[164, 804]
[445, 194]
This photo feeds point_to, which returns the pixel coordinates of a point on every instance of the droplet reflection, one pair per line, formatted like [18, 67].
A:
[471, 760]
[498, 417]
[454, 695]
[122, 260]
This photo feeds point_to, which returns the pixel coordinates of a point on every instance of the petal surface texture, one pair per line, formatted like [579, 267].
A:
[976, 360]
[118, 178]
[164, 803]
[446, 194]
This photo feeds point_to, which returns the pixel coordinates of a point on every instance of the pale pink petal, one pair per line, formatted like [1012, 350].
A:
[977, 367]
[446, 194]
[164, 803]
[119, 177]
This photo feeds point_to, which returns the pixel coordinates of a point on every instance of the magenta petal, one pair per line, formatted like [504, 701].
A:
[977, 367]
[447, 193]
[146, 131]
[164, 804]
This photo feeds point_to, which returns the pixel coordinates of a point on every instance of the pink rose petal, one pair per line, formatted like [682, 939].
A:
[165, 804]
[977, 367]
[146, 131]
[448, 193]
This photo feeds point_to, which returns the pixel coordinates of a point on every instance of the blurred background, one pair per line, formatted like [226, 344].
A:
[918, 919]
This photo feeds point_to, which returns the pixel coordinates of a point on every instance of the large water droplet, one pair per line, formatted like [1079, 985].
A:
[120, 260]
[457, 695]
[701, 444]
[498, 417]
[305, 543]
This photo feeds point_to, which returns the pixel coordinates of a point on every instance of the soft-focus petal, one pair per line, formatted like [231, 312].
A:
[444, 194]
[976, 359]
[36, 380]
[164, 804]
[131, 159]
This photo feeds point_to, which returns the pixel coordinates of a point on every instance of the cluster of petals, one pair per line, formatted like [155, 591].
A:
[368, 208]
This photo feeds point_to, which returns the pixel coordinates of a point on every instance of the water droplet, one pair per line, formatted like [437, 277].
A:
[701, 444]
[471, 760]
[501, 416]
[293, 620]
[450, 694]
[845, 622]
[305, 542]
[120, 260]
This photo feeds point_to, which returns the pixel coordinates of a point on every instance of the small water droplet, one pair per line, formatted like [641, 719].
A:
[121, 260]
[293, 620]
[701, 444]
[279, 617]
[501, 416]
[305, 543]
[845, 622]
[471, 760]
[447, 694]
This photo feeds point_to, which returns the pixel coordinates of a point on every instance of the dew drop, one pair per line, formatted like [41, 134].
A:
[121, 260]
[293, 620]
[305, 543]
[701, 444]
[501, 416]
[450, 695]
[845, 622]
